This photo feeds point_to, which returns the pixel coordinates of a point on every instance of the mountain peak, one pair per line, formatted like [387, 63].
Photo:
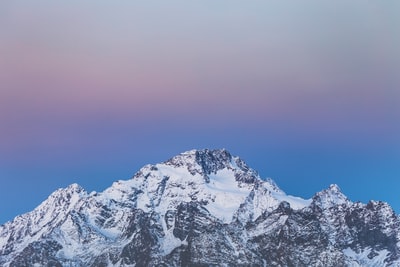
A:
[74, 188]
[213, 177]
[72, 192]
[335, 188]
[330, 197]
[206, 162]
[201, 207]
[213, 160]
[209, 161]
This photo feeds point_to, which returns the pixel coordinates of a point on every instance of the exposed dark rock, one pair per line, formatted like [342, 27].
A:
[165, 222]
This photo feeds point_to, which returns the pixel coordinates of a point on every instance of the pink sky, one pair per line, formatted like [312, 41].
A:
[78, 78]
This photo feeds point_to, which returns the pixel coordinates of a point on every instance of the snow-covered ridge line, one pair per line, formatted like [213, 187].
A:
[213, 177]
[200, 201]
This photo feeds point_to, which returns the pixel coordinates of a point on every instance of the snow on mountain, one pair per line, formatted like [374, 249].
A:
[200, 207]
[39, 222]
[218, 180]
[330, 197]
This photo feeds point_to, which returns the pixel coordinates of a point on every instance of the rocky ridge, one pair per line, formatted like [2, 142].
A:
[201, 208]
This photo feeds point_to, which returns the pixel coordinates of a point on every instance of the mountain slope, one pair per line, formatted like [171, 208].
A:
[204, 208]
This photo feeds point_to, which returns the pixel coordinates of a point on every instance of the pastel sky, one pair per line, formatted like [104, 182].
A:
[307, 93]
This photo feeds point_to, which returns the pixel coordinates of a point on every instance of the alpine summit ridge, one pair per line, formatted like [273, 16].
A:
[200, 208]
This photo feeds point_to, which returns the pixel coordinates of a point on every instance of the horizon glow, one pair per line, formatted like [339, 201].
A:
[90, 92]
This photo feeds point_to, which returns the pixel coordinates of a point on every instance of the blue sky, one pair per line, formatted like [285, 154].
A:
[306, 93]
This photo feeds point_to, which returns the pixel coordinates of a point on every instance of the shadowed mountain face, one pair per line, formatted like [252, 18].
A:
[201, 208]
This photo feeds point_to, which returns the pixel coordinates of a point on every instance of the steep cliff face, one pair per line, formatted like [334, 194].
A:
[201, 208]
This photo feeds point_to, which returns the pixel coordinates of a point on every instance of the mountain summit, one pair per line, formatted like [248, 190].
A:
[201, 208]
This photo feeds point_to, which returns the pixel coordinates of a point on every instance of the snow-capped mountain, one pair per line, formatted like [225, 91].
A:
[201, 208]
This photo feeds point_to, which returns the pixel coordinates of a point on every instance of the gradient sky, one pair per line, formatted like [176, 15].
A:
[306, 93]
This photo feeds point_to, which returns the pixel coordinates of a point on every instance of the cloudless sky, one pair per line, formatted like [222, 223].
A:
[307, 93]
